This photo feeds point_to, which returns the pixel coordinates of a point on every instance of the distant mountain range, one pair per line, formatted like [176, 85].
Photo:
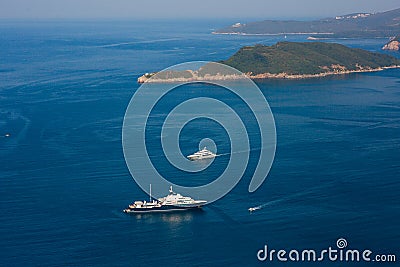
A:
[357, 25]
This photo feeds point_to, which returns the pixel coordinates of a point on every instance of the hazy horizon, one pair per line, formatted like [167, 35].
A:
[179, 9]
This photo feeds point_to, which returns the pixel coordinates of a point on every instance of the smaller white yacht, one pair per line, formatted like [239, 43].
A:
[202, 154]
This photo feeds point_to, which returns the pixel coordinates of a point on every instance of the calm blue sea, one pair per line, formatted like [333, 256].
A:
[64, 89]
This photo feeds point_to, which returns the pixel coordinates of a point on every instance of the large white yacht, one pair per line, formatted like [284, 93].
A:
[202, 154]
[172, 202]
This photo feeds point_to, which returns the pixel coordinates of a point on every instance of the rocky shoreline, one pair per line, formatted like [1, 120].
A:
[339, 70]
[194, 78]
[318, 75]
[393, 45]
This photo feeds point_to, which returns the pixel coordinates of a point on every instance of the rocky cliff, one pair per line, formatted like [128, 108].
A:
[393, 44]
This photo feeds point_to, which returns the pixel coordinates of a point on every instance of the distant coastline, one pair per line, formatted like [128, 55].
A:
[356, 25]
[273, 34]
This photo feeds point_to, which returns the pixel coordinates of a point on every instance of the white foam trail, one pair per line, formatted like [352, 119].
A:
[138, 42]
[303, 193]
[237, 152]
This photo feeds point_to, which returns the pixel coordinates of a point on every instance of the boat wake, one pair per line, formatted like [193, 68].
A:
[287, 198]
[238, 152]
[137, 42]
[269, 203]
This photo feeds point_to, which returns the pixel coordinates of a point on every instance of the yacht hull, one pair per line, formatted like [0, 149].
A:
[202, 157]
[162, 209]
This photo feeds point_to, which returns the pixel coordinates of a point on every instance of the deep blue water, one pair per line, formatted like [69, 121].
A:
[64, 88]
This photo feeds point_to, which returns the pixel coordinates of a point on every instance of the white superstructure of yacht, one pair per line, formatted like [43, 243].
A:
[172, 202]
[202, 154]
[177, 200]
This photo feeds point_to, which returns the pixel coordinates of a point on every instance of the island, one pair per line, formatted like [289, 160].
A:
[357, 25]
[393, 44]
[307, 59]
[288, 60]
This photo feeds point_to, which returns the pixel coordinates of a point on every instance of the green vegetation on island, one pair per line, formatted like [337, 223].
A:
[309, 58]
